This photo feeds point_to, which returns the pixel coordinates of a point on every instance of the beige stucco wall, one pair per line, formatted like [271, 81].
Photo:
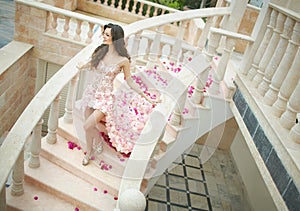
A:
[30, 27]
[17, 82]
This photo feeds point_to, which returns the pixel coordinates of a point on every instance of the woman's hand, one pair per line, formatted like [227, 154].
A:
[152, 101]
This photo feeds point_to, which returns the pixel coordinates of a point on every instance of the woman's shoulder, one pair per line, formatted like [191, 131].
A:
[123, 61]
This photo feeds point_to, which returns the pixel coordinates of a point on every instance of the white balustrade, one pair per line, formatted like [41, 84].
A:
[68, 116]
[35, 147]
[284, 66]
[277, 56]
[263, 45]
[53, 121]
[270, 49]
[295, 133]
[17, 188]
[288, 86]
[288, 118]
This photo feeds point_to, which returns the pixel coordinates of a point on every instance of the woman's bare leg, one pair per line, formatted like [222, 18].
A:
[91, 132]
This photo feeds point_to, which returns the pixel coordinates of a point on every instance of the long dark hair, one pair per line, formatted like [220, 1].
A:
[117, 34]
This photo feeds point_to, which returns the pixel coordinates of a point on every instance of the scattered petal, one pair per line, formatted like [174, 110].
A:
[105, 191]
[76, 209]
[95, 189]
[35, 197]
[115, 198]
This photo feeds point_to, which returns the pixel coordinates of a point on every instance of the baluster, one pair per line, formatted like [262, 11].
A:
[179, 37]
[77, 36]
[53, 121]
[134, 7]
[288, 118]
[35, 147]
[53, 23]
[119, 6]
[68, 116]
[204, 34]
[218, 74]
[288, 86]
[295, 133]
[3, 199]
[140, 12]
[270, 49]
[66, 27]
[199, 88]
[284, 66]
[213, 43]
[176, 118]
[17, 188]
[148, 49]
[155, 48]
[127, 5]
[90, 33]
[277, 56]
[262, 48]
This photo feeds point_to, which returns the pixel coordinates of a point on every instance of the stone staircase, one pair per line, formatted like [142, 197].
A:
[62, 180]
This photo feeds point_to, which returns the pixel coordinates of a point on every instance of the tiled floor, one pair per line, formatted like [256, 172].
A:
[193, 185]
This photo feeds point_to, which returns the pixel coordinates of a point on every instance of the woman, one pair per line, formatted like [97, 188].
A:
[100, 103]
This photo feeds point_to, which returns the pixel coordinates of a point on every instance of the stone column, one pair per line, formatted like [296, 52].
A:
[284, 66]
[270, 49]
[288, 86]
[17, 188]
[35, 147]
[277, 56]
[288, 118]
[261, 50]
[68, 116]
[53, 121]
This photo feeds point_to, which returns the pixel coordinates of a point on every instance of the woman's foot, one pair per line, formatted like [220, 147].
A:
[86, 160]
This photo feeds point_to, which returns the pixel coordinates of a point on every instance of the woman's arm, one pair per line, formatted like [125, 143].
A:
[126, 69]
[84, 65]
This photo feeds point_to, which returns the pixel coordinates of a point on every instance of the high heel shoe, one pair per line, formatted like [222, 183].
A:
[86, 160]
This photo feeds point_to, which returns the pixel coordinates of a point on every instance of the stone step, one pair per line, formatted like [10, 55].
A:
[107, 175]
[69, 187]
[36, 198]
